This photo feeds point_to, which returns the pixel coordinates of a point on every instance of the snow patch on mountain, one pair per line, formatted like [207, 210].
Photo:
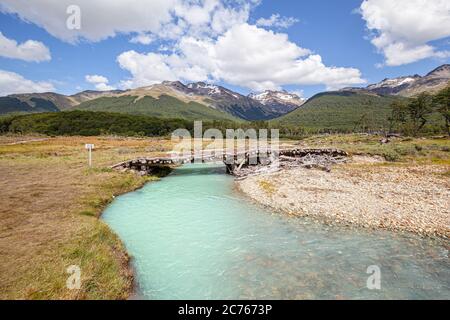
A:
[269, 96]
[410, 85]
[396, 82]
[282, 101]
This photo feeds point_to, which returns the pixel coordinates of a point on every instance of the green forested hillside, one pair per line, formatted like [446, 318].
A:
[90, 124]
[14, 105]
[164, 107]
[341, 111]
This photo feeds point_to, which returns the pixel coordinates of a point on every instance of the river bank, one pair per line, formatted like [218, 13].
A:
[49, 215]
[371, 195]
[233, 249]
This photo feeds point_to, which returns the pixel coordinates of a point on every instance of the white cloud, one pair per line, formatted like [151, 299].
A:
[100, 19]
[151, 68]
[104, 87]
[277, 21]
[299, 93]
[196, 14]
[94, 79]
[245, 55]
[403, 29]
[11, 82]
[143, 38]
[209, 40]
[224, 18]
[30, 50]
[206, 18]
[100, 82]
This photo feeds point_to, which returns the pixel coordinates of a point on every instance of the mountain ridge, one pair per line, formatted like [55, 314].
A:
[409, 86]
[206, 100]
[209, 95]
[279, 100]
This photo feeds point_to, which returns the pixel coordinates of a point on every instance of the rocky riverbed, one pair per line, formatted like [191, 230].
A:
[372, 195]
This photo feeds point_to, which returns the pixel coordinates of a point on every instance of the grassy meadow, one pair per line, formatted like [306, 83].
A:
[49, 208]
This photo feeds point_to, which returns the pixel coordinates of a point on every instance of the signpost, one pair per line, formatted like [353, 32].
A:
[89, 147]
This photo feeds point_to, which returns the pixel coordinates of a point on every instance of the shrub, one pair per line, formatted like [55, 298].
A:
[391, 155]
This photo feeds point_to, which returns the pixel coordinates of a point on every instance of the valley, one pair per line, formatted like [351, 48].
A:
[346, 110]
[223, 150]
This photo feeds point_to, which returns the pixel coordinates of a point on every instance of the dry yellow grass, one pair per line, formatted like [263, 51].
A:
[267, 186]
[401, 150]
[49, 207]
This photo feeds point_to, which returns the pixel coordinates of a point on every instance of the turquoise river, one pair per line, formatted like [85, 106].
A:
[193, 236]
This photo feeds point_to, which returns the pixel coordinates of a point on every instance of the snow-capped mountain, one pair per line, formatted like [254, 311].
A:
[263, 106]
[410, 85]
[281, 101]
[222, 99]
[434, 81]
[393, 86]
[212, 90]
[210, 95]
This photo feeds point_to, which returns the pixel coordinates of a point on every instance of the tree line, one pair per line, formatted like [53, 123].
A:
[412, 117]
[95, 123]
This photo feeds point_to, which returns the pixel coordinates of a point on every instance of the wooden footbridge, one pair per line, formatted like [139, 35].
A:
[232, 161]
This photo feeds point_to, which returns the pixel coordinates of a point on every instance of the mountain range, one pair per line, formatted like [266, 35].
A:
[169, 99]
[205, 101]
[409, 86]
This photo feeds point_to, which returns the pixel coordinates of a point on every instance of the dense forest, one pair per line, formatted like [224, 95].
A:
[89, 123]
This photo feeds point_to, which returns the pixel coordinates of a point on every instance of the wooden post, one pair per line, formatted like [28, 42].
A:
[89, 147]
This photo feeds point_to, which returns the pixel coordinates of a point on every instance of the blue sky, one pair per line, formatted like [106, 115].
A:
[368, 41]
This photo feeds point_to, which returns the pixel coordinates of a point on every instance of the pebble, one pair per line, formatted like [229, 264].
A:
[396, 198]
